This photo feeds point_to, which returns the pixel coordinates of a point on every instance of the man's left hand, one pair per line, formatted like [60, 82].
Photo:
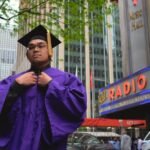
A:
[43, 79]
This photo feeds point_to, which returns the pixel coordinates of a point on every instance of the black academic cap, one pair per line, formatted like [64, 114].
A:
[37, 33]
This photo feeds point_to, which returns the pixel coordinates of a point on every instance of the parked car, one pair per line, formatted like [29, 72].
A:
[85, 141]
[146, 142]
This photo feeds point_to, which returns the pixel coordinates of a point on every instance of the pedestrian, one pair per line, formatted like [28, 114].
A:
[111, 140]
[134, 143]
[40, 107]
[139, 142]
[125, 141]
[116, 143]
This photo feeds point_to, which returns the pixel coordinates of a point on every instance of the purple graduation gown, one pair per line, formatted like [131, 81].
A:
[42, 119]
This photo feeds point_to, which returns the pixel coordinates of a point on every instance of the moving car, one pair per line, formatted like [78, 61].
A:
[85, 141]
[146, 142]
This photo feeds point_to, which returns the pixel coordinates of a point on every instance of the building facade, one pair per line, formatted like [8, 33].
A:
[135, 25]
[8, 51]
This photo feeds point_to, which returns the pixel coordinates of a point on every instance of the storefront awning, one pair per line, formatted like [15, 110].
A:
[103, 122]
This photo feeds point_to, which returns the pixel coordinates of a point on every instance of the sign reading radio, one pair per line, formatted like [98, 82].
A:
[128, 87]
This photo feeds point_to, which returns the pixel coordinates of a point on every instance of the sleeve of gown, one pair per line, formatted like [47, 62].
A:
[4, 90]
[5, 126]
[65, 105]
[9, 91]
[14, 91]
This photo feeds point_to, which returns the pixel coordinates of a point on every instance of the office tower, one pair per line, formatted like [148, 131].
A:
[108, 44]
[8, 49]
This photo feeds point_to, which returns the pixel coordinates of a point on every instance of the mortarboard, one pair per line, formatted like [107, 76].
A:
[40, 32]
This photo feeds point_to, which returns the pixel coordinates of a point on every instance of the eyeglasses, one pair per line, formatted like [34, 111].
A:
[33, 47]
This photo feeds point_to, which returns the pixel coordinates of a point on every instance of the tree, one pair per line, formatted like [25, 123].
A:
[63, 17]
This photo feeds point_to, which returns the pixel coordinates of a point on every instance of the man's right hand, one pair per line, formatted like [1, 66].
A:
[27, 79]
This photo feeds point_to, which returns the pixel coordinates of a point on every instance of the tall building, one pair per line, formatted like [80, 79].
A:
[87, 60]
[135, 35]
[8, 50]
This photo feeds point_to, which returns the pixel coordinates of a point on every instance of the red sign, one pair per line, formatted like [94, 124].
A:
[135, 2]
[102, 122]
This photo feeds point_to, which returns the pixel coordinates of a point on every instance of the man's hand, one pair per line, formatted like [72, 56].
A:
[43, 79]
[27, 79]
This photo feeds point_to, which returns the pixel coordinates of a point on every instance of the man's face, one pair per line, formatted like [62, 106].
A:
[37, 51]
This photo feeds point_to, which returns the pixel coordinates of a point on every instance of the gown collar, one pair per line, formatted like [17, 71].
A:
[38, 71]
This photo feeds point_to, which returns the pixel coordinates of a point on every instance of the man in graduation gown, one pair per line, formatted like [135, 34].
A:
[40, 107]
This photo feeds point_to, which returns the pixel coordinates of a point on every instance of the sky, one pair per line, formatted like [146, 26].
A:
[14, 4]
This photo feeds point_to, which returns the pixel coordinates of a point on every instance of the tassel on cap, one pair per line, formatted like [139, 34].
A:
[49, 43]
